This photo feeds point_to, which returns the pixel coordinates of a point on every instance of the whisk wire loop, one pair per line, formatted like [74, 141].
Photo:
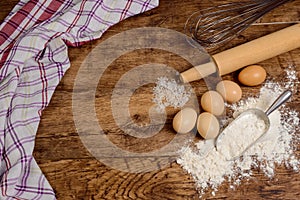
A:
[213, 26]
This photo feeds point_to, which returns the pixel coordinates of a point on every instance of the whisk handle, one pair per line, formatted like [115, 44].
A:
[258, 50]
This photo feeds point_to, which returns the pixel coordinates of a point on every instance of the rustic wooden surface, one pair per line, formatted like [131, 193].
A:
[75, 174]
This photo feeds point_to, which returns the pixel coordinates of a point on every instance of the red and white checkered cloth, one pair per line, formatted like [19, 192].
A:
[33, 59]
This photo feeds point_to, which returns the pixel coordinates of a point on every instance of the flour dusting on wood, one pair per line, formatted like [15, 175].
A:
[168, 92]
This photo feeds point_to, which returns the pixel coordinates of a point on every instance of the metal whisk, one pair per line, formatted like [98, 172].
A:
[216, 25]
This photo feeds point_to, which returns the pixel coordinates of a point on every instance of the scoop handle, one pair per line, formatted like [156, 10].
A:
[258, 50]
[279, 101]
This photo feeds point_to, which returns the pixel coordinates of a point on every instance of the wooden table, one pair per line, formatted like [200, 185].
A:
[75, 174]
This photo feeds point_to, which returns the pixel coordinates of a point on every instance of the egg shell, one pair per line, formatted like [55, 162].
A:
[185, 120]
[230, 91]
[208, 125]
[212, 101]
[252, 75]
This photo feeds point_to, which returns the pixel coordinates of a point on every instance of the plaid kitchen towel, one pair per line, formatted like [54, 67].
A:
[33, 59]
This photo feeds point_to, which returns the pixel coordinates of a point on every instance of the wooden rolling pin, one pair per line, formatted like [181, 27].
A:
[249, 53]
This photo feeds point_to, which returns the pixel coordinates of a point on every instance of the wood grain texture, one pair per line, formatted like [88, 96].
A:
[72, 170]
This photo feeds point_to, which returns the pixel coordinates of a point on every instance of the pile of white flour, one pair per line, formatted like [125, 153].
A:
[237, 137]
[278, 147]
[168, 92]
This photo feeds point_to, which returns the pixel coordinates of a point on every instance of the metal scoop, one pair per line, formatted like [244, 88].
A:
[260, 115]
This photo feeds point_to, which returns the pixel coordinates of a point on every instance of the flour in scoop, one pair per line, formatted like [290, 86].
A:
[277, 147]
[240, 134]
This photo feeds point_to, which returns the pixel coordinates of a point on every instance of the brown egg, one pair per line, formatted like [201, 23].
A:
[230, 91]
[185, 120]
[212, 101]
[208, 125]
[252, 75]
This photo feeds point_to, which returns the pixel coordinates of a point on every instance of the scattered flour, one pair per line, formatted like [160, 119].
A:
[168, 92]
[277, 147]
